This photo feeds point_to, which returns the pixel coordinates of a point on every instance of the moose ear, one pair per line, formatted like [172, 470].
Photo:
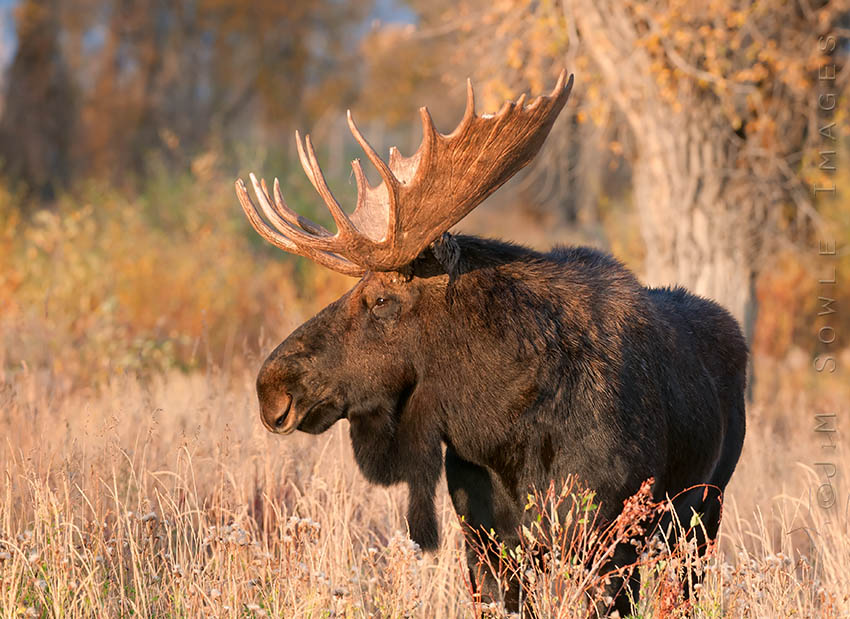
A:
[447, 252]
[441, 258]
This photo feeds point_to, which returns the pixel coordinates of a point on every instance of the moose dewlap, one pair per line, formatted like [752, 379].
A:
[509, 367]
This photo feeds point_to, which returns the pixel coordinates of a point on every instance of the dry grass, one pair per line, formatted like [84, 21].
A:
[168, 498]
[165, 497]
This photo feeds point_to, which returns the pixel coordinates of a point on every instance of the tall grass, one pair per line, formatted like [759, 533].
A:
[137, 479]
[165, 497]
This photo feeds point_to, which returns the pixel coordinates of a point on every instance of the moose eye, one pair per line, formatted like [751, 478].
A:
[385, 307]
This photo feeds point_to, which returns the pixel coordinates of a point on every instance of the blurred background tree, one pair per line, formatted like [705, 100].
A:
[111, 86]
[38, 117]
[689, 148]
[721, 99]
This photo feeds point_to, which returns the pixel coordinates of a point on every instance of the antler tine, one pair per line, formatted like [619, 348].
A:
[279, 238]
[560, 83]
[293, 217]
[429, 131]
[305, 163]
[506, 107]
[265, 230]
[383, 169]
[293, 233]
[343, 223]
[262, 193]
[362, 183]
[469, 112]
[314, 173]
[263, 198]
[279, 210]
[390, 181]
[395, 158]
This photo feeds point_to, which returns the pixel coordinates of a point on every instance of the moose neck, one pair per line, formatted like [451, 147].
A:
[487, 367]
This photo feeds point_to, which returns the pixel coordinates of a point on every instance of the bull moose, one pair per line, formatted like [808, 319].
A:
[507, 366]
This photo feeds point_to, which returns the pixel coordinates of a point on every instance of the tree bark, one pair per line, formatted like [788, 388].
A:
[696, 223]
[699, 226]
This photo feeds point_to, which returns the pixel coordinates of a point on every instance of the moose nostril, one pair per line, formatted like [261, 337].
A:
[276, 410]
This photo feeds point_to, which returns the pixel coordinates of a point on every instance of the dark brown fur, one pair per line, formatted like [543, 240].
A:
[527, 367]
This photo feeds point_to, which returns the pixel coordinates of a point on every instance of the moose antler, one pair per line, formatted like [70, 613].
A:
[420, 197]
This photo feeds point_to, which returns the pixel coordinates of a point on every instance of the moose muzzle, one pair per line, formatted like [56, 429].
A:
[277, 412]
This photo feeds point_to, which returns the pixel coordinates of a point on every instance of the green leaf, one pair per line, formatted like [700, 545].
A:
[696, 519]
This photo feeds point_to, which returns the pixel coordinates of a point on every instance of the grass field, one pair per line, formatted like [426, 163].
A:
[166, 497]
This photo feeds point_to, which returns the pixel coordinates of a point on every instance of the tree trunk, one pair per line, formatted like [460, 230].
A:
[697, 220]
[37, 118]
[695, 223]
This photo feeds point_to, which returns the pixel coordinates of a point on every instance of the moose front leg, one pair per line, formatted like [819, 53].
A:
[485, 508]
[391, 450]
[421, 512]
